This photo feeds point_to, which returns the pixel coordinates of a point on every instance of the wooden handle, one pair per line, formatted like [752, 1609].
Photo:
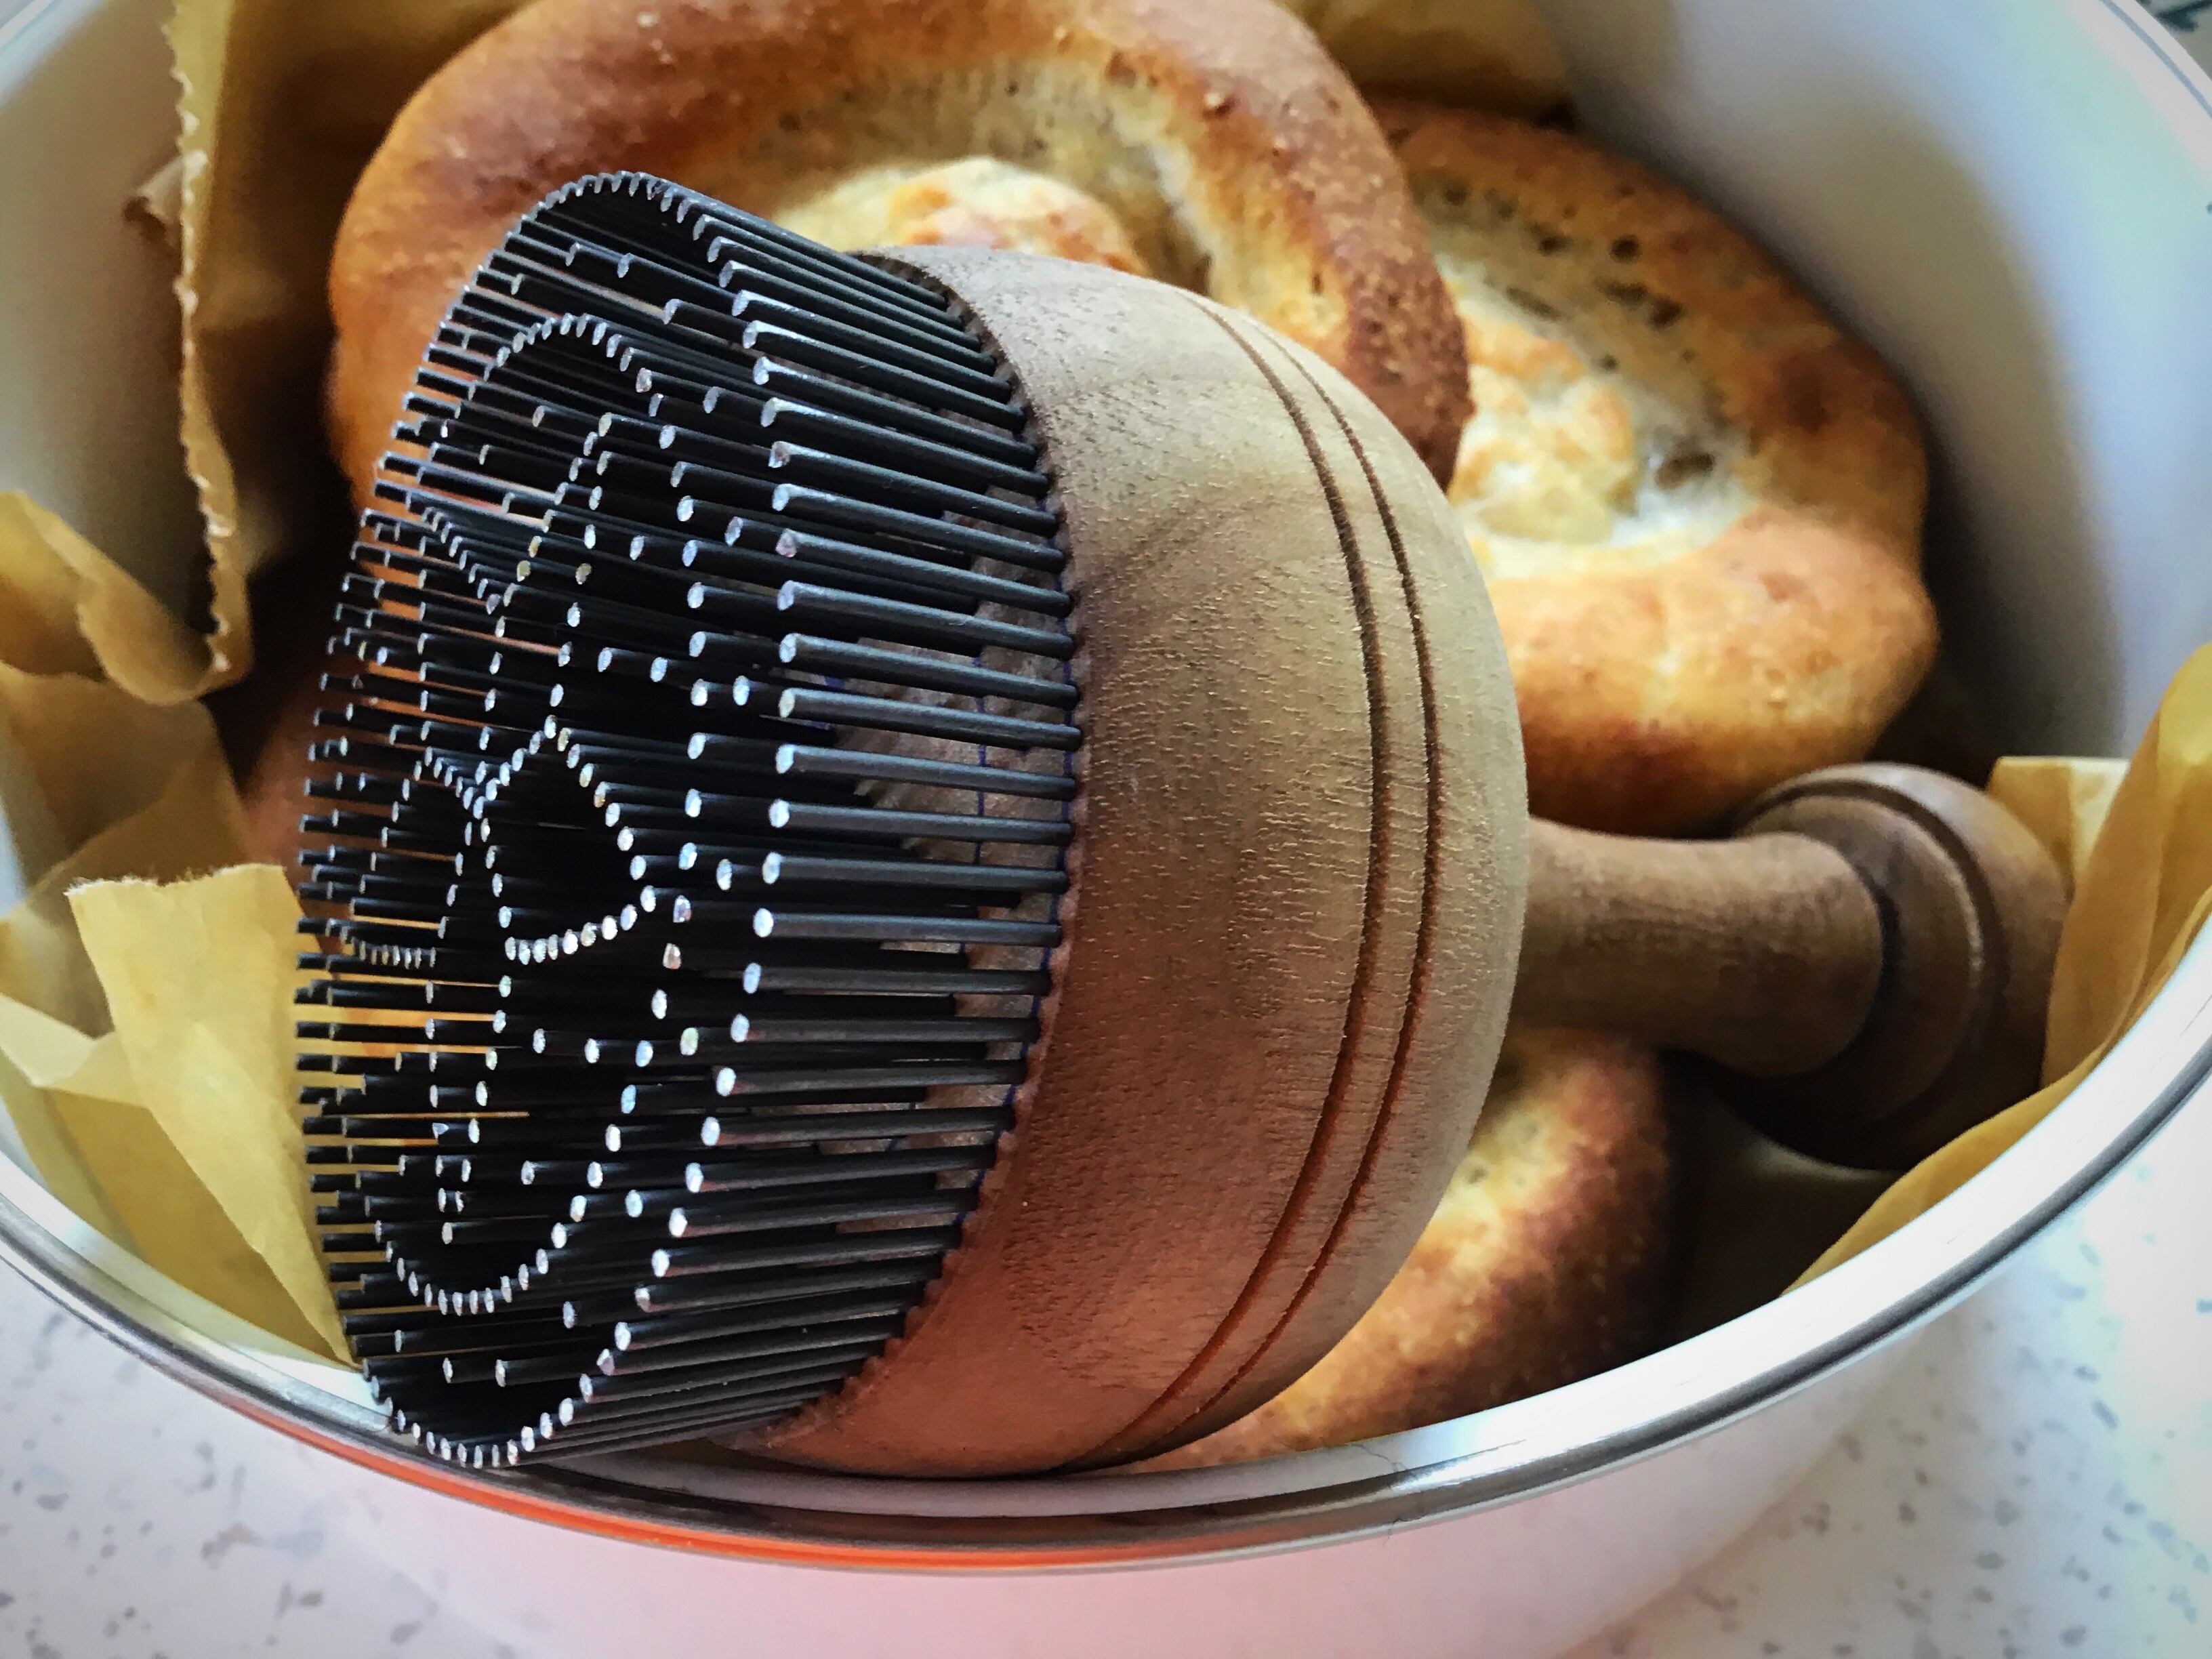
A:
[1868, 957]
[1763, 953]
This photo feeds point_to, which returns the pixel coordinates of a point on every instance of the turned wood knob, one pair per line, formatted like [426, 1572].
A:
[1865, 960]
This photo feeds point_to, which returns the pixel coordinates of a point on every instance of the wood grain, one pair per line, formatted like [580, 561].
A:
[1868, 961]
[1298, 890]
[1973, 904]
[1764, 953]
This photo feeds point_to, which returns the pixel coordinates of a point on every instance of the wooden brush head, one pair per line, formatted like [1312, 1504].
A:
[1298, 889]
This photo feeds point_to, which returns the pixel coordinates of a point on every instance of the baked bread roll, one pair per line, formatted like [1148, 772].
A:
[1698, 502]
[1217, 146]
[1549, 1259]
[1491, 54]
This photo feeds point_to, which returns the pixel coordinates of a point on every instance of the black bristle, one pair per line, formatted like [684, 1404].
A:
[698, 746]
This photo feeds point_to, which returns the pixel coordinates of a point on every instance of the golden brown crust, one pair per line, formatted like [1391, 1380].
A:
[1491, 54]
[1546, 1261]
[1655, 699]
[1240, 156]
[1661, 687]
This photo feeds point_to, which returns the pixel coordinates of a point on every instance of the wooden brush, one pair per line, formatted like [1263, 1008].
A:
[926, 861]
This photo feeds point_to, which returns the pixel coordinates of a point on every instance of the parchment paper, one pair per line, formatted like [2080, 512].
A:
[281, 104]
[145, 1031]
[145, 980]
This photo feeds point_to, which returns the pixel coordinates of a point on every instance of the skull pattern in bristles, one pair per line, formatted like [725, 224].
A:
[697, 756]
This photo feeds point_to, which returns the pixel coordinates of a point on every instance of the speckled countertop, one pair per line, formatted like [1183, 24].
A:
[2037, 1482]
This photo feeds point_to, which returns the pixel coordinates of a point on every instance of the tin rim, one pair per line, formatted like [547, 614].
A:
[1449, 1470]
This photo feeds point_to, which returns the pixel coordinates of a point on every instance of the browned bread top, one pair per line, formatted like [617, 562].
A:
[1492, 54]
[1546, 1262]
[1697, 500]
[1217, 145]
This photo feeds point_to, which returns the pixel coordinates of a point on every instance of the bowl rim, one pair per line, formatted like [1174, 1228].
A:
[1454, 1468]
[1649, 1406]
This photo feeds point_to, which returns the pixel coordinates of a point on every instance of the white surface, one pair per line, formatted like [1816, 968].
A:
[1539, 1576]
[2038, 1482]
